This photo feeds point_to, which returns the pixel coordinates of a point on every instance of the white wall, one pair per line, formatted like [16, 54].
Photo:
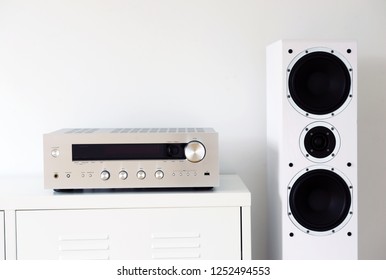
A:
[172, 63]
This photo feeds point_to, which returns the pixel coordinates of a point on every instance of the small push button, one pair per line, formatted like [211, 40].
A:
[55, 153]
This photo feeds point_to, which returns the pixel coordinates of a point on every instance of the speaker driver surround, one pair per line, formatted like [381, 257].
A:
[319, 83]
[320, 200]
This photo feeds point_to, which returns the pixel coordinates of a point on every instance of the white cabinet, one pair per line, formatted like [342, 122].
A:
[2, 240]
[165, 233]
[133, 224]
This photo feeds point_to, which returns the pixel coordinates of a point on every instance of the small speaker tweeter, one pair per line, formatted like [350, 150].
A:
[319, 142]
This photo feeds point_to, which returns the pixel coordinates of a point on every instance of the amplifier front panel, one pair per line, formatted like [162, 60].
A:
[62, 171]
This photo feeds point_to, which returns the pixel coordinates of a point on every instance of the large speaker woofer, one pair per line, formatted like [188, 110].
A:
[319, 82]
[320, 201]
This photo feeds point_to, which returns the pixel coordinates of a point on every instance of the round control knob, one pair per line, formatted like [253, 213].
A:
[141, 174]
[195, 151]
[105, 175]
[159, 174]
[122, 175]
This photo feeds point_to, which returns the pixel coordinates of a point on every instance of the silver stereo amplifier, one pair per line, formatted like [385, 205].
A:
[131, 158]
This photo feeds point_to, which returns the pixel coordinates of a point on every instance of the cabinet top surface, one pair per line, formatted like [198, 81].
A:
[28, 193]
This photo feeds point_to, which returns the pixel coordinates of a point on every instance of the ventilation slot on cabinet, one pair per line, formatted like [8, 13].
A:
[176, 246]
[87, 247]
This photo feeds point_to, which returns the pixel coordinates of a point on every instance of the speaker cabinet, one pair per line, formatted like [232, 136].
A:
[312, 150]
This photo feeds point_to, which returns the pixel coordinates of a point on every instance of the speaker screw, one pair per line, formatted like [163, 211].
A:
[349, 164]
[290, 164]
[291, 234]
[290, 51]
[348, 50]
[349, 233]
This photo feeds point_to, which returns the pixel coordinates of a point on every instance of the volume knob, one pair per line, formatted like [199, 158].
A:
[195, 151]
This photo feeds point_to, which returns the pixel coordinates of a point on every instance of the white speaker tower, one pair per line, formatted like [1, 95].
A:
[312, 150]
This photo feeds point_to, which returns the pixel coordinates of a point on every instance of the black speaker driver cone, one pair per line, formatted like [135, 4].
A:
[319, 83]
[320, 200]
[320, 142]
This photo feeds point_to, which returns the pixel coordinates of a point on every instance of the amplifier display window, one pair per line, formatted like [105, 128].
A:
[95, 152]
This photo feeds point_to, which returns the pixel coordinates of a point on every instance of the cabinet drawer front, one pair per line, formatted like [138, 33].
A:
[2, 239]
[157, 233]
